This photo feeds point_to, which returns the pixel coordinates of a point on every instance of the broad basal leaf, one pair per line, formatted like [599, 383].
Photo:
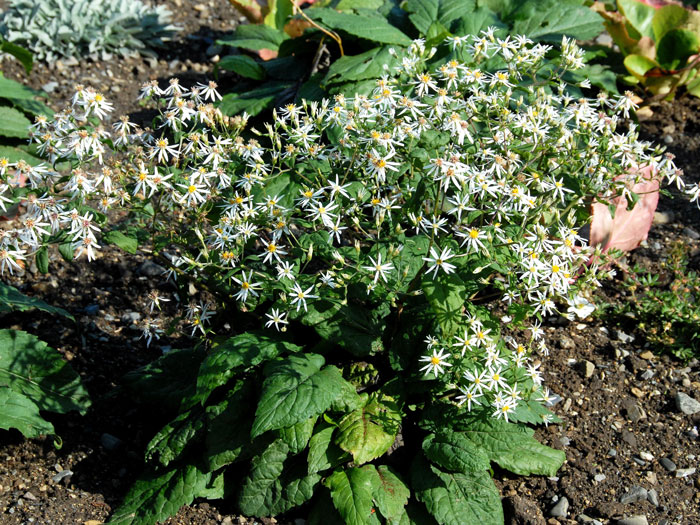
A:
[456, 499]
[12, 299]
[273, 487]
[169, 444]
[30, 368]
[370, 64]
[390, 493]
[455, 452]
[423, 13]
[255, 100]
[296, 389]
[532, 412]
[255, 37]
[11, 89]
[18, 411]
[639, 15]
[323, 453]
[157, 496]
[13, 123]
[446, 295]
[128, 244]
[234, 355]
[297, 436]
[243, 65]
[375, 29]
[513, 447]
[550, 19]
[368, 432]
[351, 491]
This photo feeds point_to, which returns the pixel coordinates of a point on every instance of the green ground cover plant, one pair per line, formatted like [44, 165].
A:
[373, 271]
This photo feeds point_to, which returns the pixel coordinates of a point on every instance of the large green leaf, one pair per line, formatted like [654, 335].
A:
[157, 496]
[455, 452]
[533, 412]
[296, 389]
[169, 444]
[23, 55]
[457, 498]
[371, 28]
[447, 295]
[128, 244]
[12, 299]
[323, 453]
[513, 447]
[351, 491]
[354, 327]
[256, 100]
[666, 18]
[13, 123]
[676, 46]
[423, 13]
[15, 154]
[18, 411]
[550, 19]
[272, 487]
[234, 355]
[369, 432]
[639, 15]
[255, 37]
[390, 493]
[638, 65]
[14, 90]
[476, 22]
[243, 65]
[228, 427]
[29, 367]
[369, 64]
[297, 436]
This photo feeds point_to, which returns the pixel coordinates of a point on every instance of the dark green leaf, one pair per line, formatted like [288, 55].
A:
[455, 452]
[157, 496]
[323, 454]
[42, 260]
[639, 15]
[254, 101]
[14, 90]
[12, 299]
[13, 123]
[20, 53]
[550, 19]
[532, 412]
[666, 18]
[296, 389]
[20, 412]
[447, 295]
[476, 22]
[389, 491]
[370, 64]
[243, 65]
[128, 244]
[351, 491]
[255, 37]
[676, 46]
[297, 436]
[15, 154]
[28, 366]
[375, 29]
[169, 444]
[456, 499]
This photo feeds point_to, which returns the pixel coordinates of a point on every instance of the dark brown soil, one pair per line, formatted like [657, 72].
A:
[616, 424]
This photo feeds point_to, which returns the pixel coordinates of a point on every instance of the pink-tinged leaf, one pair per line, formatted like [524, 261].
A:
[660, 3]
[629, 227]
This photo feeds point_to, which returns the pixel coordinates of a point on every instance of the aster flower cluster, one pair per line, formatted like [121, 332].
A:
[476, 168]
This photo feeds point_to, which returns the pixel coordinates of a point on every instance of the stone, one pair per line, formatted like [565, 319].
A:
[612, 452]
[646, 456]
[64, 474]
[648, 355]
[647, 374]
[685, 472]
[150, 269]
[668, 464]
[687, 404]
[92, 309]
[50, 87]
[634, 520]
[599, 477]
[561, 509]
[663, 217]
[634, 495]
[588, 369]
[629, 438]
[639, 461]
[653, 497]
[622, 336]
[110, 442]
[691, 233]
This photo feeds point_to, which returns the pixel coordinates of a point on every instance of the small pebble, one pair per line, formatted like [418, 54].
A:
[622, 336]
[647, 374]
[687, 404]
[599, 477]
[565, 441]
[634, 520]
[653, 497]
[685, 472]
[634, 495]
[691, 233]
[61, 475]
[612, 452]
[110, 442]
[646, 456]
[639, 461]
[561, 509]
[667, 464]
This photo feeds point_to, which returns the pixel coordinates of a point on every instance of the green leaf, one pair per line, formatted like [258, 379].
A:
[424, 13]
[355, 328]
[532, 412]
[166, 381]
[170, 443]
[228, 427]
[599, 75]
[347, 5]
[23, 55]
[389, 491]
[666, 18]
[18, 411]
[14, 90]
[351, 491]
[476, 22]
[15, 154]
[13, 123]
[12, 299]
[638, 15]
[243, 65]
[255, 37]
[28, 366]
[323, 454]
[234, 355]
[676, 46]
[34, 107]
[42, 260]
[369, 432]
[270, 488]
[295, 389]
[128, 244]
[550, 19]
[455, 452]
[297, 436]
[369, 64]
[375, 29]
[254, 101]
[459, 498]
[447, 295]
[694, 87]
[158, 495]
[513, 447]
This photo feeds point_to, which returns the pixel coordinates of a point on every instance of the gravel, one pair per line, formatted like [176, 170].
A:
[687, 404]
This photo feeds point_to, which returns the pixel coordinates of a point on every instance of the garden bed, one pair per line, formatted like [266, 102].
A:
[618, 398]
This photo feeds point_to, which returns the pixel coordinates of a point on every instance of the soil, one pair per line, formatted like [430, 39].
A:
[619, 416]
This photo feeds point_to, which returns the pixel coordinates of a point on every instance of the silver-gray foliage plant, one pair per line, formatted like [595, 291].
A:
[54, 29]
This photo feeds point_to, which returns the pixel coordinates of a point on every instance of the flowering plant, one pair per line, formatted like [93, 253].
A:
[375, 269]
